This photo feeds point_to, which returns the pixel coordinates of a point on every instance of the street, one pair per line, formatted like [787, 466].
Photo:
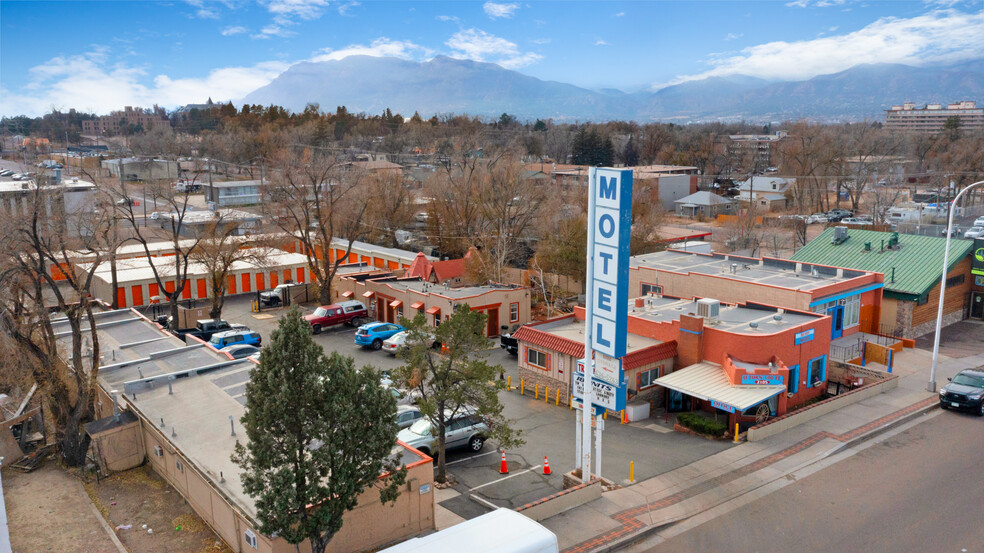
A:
[920, 490]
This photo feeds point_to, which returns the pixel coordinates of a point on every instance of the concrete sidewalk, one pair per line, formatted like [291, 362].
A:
[623, 516]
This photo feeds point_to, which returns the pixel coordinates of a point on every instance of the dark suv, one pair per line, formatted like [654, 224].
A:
[965, 391]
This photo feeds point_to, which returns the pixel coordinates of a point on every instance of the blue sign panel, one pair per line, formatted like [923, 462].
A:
[722, 406]
[802, 337]
[761, 379]
[612, 198]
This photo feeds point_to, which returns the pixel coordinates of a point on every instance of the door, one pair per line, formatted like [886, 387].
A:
[977, 305]
[676, 402]
[136, 292]
[260, 284]
[244, 278]
[493, 323]
[202, 288]
[837, 325]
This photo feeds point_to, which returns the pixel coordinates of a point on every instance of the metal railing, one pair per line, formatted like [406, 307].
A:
[846, 353]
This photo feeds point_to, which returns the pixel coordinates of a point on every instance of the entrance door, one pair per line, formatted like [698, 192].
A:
[977, 305]
[837, 326]
[493, 323]
[676, 402]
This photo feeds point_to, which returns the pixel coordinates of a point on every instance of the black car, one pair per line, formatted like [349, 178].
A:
[965, 391]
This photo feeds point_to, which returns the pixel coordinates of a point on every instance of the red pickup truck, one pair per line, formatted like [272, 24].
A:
[351, 313]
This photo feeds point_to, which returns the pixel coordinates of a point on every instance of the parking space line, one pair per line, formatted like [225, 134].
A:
[482, 500]
[472, 457]
[504, 478]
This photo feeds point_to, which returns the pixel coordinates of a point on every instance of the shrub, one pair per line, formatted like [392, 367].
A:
[701, 424]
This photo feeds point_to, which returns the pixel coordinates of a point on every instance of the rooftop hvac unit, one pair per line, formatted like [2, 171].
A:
[158, 451]
[709, 309]
[651, 301]
[840, 236]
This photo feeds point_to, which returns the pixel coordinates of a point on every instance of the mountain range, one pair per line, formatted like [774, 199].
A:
[446, 85]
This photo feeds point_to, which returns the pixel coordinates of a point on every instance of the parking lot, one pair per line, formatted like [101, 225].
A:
[547, 429]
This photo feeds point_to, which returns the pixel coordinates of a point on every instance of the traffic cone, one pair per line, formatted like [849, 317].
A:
[503, 469]
[546, 466]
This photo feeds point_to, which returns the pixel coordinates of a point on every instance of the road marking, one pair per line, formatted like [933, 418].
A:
[504, 478]
[479, 498]
[472, 457]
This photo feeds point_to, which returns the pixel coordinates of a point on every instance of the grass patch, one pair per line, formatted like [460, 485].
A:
[701, 424]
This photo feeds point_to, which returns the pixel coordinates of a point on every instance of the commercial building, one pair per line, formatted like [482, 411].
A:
[389, 298]
[197, 223]
[912, 267]
[749, 152]
[237, 192]
[666, 183]
[137, 286]
[852, 298]
[179, 410]
[128, 120]
[357, 251]
[68, 201]
[140, 169]
[931, 118]
[687, 355]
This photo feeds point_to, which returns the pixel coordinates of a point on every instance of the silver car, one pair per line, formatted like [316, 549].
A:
[407, 415]
[467, 430]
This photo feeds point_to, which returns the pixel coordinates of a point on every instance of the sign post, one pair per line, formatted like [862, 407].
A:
[606, 300]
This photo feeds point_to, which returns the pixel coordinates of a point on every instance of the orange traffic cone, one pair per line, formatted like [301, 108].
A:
[546, 466]
[503, 469]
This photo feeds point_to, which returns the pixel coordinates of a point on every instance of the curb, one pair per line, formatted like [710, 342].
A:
[651, 529]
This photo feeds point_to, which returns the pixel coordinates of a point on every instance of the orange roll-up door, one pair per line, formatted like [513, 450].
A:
[244, 278]
[260, 284]
[202, 288]
[153, 290]
[230, 284]
[121, 296]
[136, 292]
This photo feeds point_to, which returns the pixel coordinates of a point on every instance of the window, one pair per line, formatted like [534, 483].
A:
[794, 379]
[955, 281]
[816, 372]
[179, 466]
[513, 312]
[536, 358]
[250, 538]
[852, 311]
[647, 378]
[399, 311]
[647, 289]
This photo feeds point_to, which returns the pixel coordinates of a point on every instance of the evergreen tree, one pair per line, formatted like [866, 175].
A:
[539, 126]
[455, 378]
[630, 155]
[590, 148]
[320, 432]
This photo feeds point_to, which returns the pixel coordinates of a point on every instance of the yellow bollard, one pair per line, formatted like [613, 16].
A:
[509, 383]
[536, 392]
[558, 399]
[546, 394]
[624, 419]
[522, 387]
[631, 471]
[571, 402]
[605, 416]
[736, 432]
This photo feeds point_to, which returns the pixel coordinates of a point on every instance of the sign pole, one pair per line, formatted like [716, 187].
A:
[600, 423]
[587, 405]
[577, 439]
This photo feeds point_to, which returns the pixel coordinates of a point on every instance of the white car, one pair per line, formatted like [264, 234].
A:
[979, 222]
[817, 218]
[855, 221]
[976, 232]
[393, 344]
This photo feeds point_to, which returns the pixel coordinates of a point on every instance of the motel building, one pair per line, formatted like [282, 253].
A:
[746, 362]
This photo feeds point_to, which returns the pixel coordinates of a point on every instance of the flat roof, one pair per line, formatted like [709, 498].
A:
[708, 381]
[573, 329]
[208, 216]
[73, 185]
[139, 268]
[138, 357]
[440, 290]
[731, 318]
[234, 183]
[781, 273]
[367, 248]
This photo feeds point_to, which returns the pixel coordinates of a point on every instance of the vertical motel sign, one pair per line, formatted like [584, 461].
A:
[609, 309]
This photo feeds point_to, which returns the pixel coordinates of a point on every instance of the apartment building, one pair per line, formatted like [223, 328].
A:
[118, 121]
[932, 117]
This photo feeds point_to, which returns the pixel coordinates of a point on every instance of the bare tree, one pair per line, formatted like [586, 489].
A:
[865, 151]
[220, 249]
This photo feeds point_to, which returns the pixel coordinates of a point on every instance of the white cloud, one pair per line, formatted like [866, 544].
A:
[204, 11]
[345, 7]
[447, 18]
[815, 3]
[734, 36]
[303, 9]
[476, 44]
[379, 48]
[229, 31]
[600, 42]
[620, 14]
[541, 41]
[496, 10]
[936, 37]
[89, 82]
[273, 30]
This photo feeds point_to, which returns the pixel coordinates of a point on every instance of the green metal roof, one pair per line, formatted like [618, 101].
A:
[917, 260]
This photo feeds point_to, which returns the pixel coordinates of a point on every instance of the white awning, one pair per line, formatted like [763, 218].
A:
[708, 381]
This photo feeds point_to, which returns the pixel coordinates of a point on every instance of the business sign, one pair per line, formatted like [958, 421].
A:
[761, 379]
[977, 263]
[605, 395]
[803, 337]
[607, 369]
[611, 198]
[722, 406]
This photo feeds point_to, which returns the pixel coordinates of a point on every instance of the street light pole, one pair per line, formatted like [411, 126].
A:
[931, 386]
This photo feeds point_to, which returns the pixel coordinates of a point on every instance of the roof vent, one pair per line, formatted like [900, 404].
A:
[708, 309]
[777, 317]
[840, 236]
[753, 325]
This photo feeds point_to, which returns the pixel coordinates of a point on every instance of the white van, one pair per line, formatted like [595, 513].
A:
[501, 531]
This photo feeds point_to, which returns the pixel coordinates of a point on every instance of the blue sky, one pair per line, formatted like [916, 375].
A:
[101, 55]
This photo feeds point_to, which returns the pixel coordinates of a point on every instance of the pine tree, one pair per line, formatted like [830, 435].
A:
[455, 378]
[320, 432]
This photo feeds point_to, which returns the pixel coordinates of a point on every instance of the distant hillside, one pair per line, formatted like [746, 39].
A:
[446, 85]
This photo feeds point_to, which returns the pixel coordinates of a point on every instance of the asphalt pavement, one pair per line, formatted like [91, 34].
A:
[919, 490]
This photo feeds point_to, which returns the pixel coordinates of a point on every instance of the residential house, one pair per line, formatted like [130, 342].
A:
[704, 204]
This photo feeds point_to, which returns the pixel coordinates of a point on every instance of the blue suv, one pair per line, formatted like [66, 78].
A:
[373, 334]
[235, 337]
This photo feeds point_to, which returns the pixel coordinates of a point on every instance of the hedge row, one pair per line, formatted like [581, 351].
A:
[701, 424]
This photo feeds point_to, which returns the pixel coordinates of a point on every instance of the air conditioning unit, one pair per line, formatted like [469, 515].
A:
[250, 538]
[158, 451]
[708, 309]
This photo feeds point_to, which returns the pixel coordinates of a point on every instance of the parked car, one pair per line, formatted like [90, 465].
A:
[398, 341]
[275, 296]
[817, 218]
[228, 338]
[965, 391]
[508, 343]
[466, 430]
[855, 221]
[979, 222]
[373, 334]
[242, 350]
[351, 313]
[406, 415]
[976, 232]
[954, 232]
[204, 328]
[835, 215]
[6, 173]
